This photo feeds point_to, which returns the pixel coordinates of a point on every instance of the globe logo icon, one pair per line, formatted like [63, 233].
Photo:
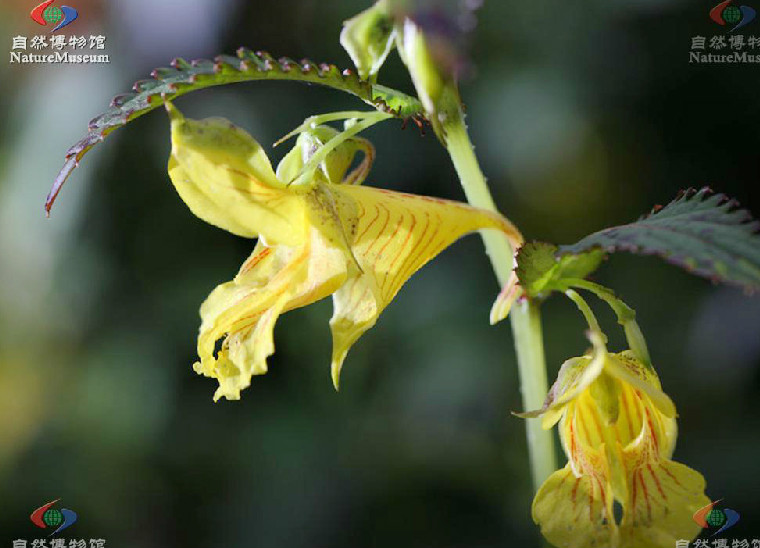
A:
[58, 519]
[732, 15]
[52, 14]
[715, 518]
[44, 14]
[735, 17]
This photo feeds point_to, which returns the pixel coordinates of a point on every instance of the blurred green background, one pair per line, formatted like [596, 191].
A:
[583, 115]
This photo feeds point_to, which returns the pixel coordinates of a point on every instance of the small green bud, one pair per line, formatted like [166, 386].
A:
[368, 38]
[415, 53]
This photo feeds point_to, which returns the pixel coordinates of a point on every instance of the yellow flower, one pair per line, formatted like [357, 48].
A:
[618, 430]
[355, 243]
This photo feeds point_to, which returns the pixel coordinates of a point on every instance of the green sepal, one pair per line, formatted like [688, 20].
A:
[541, 271]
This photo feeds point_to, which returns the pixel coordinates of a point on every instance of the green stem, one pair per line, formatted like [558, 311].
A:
[478, 194]
[318, 119]
[525, 316]
[626, 317]
[622, 310]
[526, 328]
[585, 309]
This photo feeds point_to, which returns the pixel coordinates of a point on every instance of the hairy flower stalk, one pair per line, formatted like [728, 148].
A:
[317, 236]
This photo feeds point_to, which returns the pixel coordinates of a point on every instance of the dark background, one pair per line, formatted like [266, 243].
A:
[583, 115]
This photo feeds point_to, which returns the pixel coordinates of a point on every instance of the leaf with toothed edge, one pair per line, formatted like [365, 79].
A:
[184, 77]
[705, 233]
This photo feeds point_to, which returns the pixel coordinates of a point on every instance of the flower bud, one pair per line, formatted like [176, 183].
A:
[368, 38]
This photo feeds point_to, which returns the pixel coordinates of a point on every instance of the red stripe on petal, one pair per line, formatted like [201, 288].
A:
[382, 230]
[657, 482]
[400, 275]
[366, 228]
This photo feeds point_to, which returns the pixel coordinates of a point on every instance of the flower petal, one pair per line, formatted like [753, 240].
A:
[575, 375]
[245, 353]
[244, 311]
[575, 512]
[663, 495]
[390, 236]
[393, 234]
[506, 298]
[355, 310]
[628, 369]
[237, 305]
[606, 394]
[225, 178]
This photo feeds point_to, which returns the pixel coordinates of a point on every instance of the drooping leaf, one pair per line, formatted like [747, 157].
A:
[705, 233]
[540, 270]
[184, 77]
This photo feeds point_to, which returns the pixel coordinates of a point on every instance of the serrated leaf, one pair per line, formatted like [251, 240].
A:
[184, 77]
[704, 233]
[539, 269]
